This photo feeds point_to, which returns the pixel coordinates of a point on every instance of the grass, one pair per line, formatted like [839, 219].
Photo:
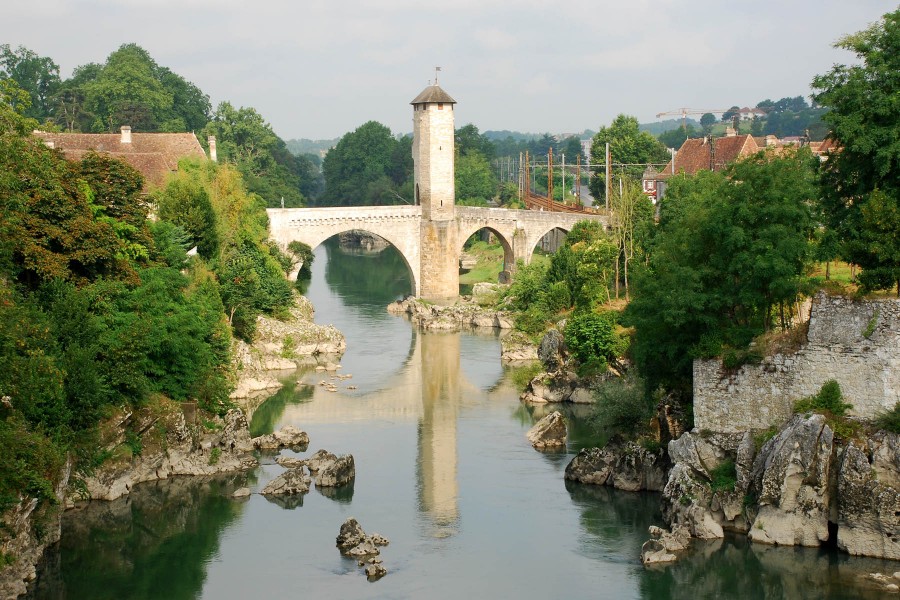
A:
[889, 420]
[489, 262]
[724, 477]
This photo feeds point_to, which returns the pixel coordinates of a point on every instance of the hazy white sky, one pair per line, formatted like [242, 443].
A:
[320, 68]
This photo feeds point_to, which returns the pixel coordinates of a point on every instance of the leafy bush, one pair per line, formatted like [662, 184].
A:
[557, 297]
[592, 338]
[829, 399]
[889, 420]
[305, 254]
[724, 477]
[621, 408]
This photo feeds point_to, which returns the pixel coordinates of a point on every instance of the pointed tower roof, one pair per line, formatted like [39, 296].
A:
[432, 94]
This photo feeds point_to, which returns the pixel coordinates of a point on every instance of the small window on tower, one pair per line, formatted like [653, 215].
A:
[440, 106]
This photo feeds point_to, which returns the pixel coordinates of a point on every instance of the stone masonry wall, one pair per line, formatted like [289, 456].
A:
[867, 367]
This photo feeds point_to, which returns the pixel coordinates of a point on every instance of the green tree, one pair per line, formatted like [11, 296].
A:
[127, 91]
[862, 181]
[475, 180]
[707, 121]
[245, 139]
[37, 75]
[469, 140]
[364, 168]
[730, 253]
[628, 145]
[674, 138]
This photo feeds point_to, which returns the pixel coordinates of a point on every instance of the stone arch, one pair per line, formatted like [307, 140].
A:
[534, 241]
[509, 257]
[398, 225]
[332, 232]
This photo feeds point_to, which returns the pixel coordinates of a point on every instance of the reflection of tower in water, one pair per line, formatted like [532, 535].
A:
[436, 468]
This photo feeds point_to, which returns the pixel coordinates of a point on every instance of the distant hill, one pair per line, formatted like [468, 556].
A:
[305, 146]
[659, 127]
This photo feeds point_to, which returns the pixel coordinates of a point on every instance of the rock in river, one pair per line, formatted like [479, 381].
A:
[340, 471]
[549, 432]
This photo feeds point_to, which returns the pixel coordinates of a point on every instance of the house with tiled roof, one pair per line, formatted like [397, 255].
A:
[155, 155]
[697, 154]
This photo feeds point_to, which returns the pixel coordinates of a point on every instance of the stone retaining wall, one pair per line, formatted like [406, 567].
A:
[856, 342]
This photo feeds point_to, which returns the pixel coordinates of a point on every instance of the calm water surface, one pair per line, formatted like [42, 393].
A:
[443, 470]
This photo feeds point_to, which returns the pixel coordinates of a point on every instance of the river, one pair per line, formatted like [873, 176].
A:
[443, 470]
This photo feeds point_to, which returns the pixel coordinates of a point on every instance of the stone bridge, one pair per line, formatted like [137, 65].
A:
[518, 231]
[431, 233]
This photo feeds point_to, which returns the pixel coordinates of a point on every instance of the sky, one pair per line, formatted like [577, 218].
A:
[320, 68]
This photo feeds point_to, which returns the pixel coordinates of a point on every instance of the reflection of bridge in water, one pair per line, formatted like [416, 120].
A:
[430, 389]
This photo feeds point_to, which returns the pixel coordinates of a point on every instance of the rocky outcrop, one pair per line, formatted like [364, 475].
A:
[160, 443]
[338, 472]
[869, 498]
[280, 345]
[517, 347]
[662, 545]
[790, 482]
[552, 351]
[353, 541]
[549, 432]
[291, 482]
[450, 318]
[628, 467]
[800, 488]
[320, 460]
[287, 437]
[23, 543]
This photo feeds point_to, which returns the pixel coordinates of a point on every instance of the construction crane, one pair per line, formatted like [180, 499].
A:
[684, 112]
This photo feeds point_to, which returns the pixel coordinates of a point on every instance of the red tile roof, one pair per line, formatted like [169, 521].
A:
[696, 154]
[155, 155]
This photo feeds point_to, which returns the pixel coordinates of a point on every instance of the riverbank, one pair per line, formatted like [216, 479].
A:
[797, 474]
[166, 439]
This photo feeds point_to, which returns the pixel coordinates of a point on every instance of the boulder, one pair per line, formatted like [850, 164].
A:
[351, 534]
[663, 544]
[364, 548]
[290, 462]
[287, 437]
[340, 471]
[236, 433]
[320, 460]
[868, 506]
[516, 347]
[375, 571]
[790, 481]
[294, 481]
[549, 432]
[626, 467]
[695, 452]
[552, 350]
[241, 492]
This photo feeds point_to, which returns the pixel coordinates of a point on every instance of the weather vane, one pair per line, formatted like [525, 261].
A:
[436, 71]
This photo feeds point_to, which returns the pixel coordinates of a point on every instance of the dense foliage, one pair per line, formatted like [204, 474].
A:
[862, 180]
[729, 255]
[100, 309]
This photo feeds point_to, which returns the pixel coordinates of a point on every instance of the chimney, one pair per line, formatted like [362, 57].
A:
[126, 134]
[212, 149]
[730, 132]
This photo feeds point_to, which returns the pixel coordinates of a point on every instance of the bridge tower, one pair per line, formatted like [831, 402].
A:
[433, 167]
